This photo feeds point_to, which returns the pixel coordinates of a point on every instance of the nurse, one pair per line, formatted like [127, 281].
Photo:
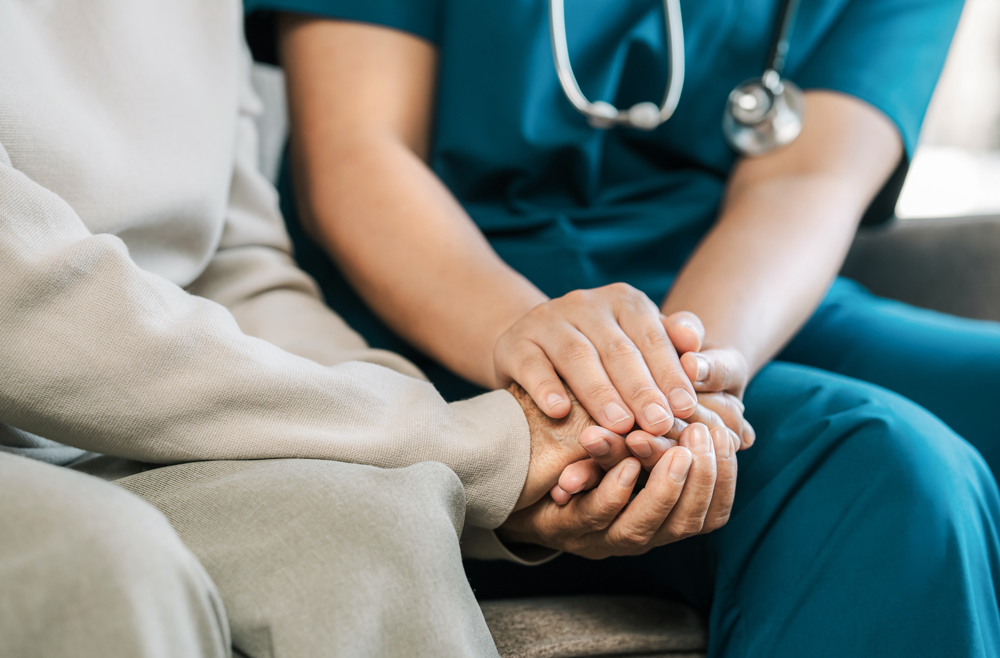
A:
[456, 207]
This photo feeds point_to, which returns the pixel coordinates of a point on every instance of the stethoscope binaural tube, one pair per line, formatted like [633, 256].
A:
[644, 116]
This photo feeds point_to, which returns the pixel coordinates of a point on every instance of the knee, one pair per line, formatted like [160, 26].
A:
[101, 558]
[135, 551]
[915, 465]
[423, 501]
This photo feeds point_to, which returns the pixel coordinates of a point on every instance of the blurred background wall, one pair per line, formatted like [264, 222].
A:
[956, 169]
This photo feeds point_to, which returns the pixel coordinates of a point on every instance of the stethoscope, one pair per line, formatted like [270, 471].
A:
[761, 115]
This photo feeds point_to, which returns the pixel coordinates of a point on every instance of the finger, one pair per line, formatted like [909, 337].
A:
[749, 436]
[532, 369]
[578, 361]
[560, 496]
[716, 370]
[719, 410]
[729, 410]
[596, 509]
[629, 371]
[580, 476]
[688, 516]
[706, 415]
[606, 448]
[686, 331]
[647, 448]
[660, 358]
[724, 441]
[633, 530]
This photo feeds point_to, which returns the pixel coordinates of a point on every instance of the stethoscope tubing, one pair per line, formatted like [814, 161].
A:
[567, 78]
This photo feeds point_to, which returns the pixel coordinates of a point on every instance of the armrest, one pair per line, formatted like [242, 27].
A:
[949, 265]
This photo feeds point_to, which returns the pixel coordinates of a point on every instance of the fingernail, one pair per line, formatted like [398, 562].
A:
[641, 449]
[555, 400]
[629, 475]
[701, 440]
[597, 448]
[727, 446]
[749, 433]
[680, 400]
[655, 414]
[702, 373]
[680, 463]
[615, 414]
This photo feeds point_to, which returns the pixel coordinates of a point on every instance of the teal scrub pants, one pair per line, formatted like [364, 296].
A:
[865, 518]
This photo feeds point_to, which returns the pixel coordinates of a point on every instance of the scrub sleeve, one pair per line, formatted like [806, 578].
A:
[865, 520]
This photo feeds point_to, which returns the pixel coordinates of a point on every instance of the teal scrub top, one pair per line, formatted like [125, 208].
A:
[570, 206]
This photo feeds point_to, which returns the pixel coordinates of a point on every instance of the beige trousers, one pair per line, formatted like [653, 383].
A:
[264, 559]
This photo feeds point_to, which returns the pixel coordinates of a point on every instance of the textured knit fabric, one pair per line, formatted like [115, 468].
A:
[143, 260]
[275, 558]
[90, 571]
[572, 207]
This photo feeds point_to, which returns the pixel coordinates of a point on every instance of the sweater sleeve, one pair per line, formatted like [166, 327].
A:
[99, 354]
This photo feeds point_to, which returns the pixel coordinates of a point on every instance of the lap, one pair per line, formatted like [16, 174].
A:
[317, 557]
[946, 364]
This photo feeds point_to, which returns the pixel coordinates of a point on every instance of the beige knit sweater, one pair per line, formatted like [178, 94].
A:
[149, 308]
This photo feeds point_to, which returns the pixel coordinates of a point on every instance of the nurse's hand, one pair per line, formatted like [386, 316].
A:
[721, 376]
[687, 493]
[615, 351]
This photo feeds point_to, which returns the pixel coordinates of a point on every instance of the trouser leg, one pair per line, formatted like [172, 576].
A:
[946, 364]
[862, 526]
[316, 558]
[90, 571]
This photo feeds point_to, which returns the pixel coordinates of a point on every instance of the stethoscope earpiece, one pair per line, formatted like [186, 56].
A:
[763, 114]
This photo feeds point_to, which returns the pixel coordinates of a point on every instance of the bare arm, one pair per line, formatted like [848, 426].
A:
[361, 104]
[785, 228]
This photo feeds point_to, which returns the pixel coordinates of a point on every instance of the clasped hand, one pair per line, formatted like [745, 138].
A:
[691, 463]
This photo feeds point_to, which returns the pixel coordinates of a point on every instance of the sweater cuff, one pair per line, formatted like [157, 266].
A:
[482, 544]
[496, 421]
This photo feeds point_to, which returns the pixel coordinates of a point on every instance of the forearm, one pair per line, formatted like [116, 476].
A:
[785, 227]
[412, 252]
[101, 355]
[765, 267]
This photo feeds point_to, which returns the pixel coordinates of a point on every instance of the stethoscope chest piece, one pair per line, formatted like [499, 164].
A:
[763, 114]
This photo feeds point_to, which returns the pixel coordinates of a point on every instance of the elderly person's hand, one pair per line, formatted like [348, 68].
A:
[689, 491]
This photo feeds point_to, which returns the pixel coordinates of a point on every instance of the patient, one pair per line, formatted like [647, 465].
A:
[199, 458]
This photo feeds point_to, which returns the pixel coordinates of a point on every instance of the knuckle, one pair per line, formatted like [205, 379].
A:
[628, 538]
[620, 348]
[621, 289]
[655, 340]
[643, 390]
[599, 390]
[576, 297]
[687, 527]
[577, 350]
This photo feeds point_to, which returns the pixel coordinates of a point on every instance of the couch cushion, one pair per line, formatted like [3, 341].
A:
[594, 626]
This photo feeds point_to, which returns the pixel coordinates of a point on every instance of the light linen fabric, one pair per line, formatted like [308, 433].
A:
[266, 559]
[149, 306]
